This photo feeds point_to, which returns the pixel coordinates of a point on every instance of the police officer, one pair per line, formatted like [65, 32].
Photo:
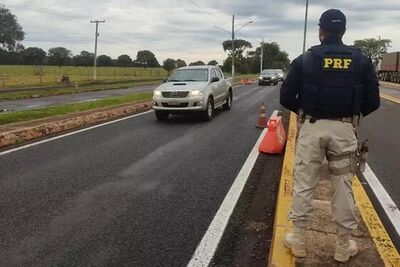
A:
[329, 87]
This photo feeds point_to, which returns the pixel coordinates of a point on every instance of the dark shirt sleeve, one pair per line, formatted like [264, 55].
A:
[371, 99]
[291, 86]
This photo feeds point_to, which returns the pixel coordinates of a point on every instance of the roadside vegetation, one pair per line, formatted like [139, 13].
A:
[13, 76]
[88, 87]
[28, 115]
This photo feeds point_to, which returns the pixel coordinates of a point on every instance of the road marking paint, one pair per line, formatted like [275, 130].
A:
[279, 255]
[209, 243]
[72, 133]
[383, 197]
[390, 84]
[390, 98]
[384, 245]
[76, 132]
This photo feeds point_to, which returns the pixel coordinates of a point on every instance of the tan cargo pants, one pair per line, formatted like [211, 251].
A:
[337, 141]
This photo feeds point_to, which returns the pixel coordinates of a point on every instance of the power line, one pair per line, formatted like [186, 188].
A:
[44, 10]
[203, 9]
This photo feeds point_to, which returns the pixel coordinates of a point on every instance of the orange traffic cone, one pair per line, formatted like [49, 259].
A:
[275, 139]
[262, 117]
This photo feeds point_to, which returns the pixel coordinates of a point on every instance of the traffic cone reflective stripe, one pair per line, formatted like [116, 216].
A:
[262, 117]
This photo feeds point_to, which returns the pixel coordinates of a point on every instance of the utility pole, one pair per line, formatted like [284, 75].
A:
[233, 39]
[379, 53]
[262, 55]
[233, 46]
[305, 27]
[95, 45]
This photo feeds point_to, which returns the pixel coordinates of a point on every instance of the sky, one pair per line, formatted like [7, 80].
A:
[186, 28]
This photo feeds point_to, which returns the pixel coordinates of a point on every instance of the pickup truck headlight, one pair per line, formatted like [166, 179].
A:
[157, 93]
[196, 93]
[260, 77]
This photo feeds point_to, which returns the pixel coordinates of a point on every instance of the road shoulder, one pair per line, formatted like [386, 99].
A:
[375, 244]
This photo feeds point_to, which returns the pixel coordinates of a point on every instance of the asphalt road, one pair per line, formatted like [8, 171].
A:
[35, 103]
[382, 128]
[137, 192]
[395, 92]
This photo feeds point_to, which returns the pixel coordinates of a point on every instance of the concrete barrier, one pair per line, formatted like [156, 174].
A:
[21, 132]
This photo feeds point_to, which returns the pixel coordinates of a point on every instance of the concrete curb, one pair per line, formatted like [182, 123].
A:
[17, 133]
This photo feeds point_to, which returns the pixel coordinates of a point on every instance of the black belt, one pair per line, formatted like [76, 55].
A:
[344, 119]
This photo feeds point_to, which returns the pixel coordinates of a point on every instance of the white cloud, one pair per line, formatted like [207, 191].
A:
[180, 29]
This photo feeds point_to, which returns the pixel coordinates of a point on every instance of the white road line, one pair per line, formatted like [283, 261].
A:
[75, 132]
[383, 197]
[71, 133]
[209, 243]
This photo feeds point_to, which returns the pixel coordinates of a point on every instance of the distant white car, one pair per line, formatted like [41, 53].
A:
[193, 89]
[281, 75]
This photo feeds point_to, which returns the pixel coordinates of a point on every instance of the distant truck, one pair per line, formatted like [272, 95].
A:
[388, 67]
[198, 89]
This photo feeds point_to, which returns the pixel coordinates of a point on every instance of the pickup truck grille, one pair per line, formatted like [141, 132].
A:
[180, 105]
[175, 94]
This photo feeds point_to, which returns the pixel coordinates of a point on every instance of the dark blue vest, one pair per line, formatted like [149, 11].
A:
[331, 81]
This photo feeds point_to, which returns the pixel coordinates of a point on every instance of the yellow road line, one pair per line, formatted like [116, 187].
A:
[386, 249]
[390, 98]
[390, 85]
[279, 255]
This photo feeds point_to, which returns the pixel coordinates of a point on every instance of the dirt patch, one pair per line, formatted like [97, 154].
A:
[321, 233]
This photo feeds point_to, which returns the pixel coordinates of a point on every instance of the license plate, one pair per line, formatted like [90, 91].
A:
[174, 103]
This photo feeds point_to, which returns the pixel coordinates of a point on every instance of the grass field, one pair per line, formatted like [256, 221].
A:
[106, 85]
[28, 76]
[27, 115]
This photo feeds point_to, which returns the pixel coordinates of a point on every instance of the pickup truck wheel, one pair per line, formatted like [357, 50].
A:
[208, 114]
[161, 115]
[228, 104]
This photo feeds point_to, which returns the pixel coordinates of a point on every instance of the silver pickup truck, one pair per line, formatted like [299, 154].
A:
[193, 89]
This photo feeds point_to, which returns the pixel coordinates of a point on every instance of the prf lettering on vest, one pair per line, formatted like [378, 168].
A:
[337, 63]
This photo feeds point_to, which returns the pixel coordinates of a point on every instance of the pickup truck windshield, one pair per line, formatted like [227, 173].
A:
[190, 75]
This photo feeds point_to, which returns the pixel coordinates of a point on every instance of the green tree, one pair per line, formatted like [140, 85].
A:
[147, 59]
[85, 58]
[180, 63]
[58, 56]
[105, 61]
[240, 46]
[11, 32]
[373, 48]
[10, 58]
[213, 63]
[240, 61]
[169, 64]
[197, 63]
[34, 56]
[124, 61]
[273, 58]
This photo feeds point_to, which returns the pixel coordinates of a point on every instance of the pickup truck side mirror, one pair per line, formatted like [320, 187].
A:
[214, 79]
